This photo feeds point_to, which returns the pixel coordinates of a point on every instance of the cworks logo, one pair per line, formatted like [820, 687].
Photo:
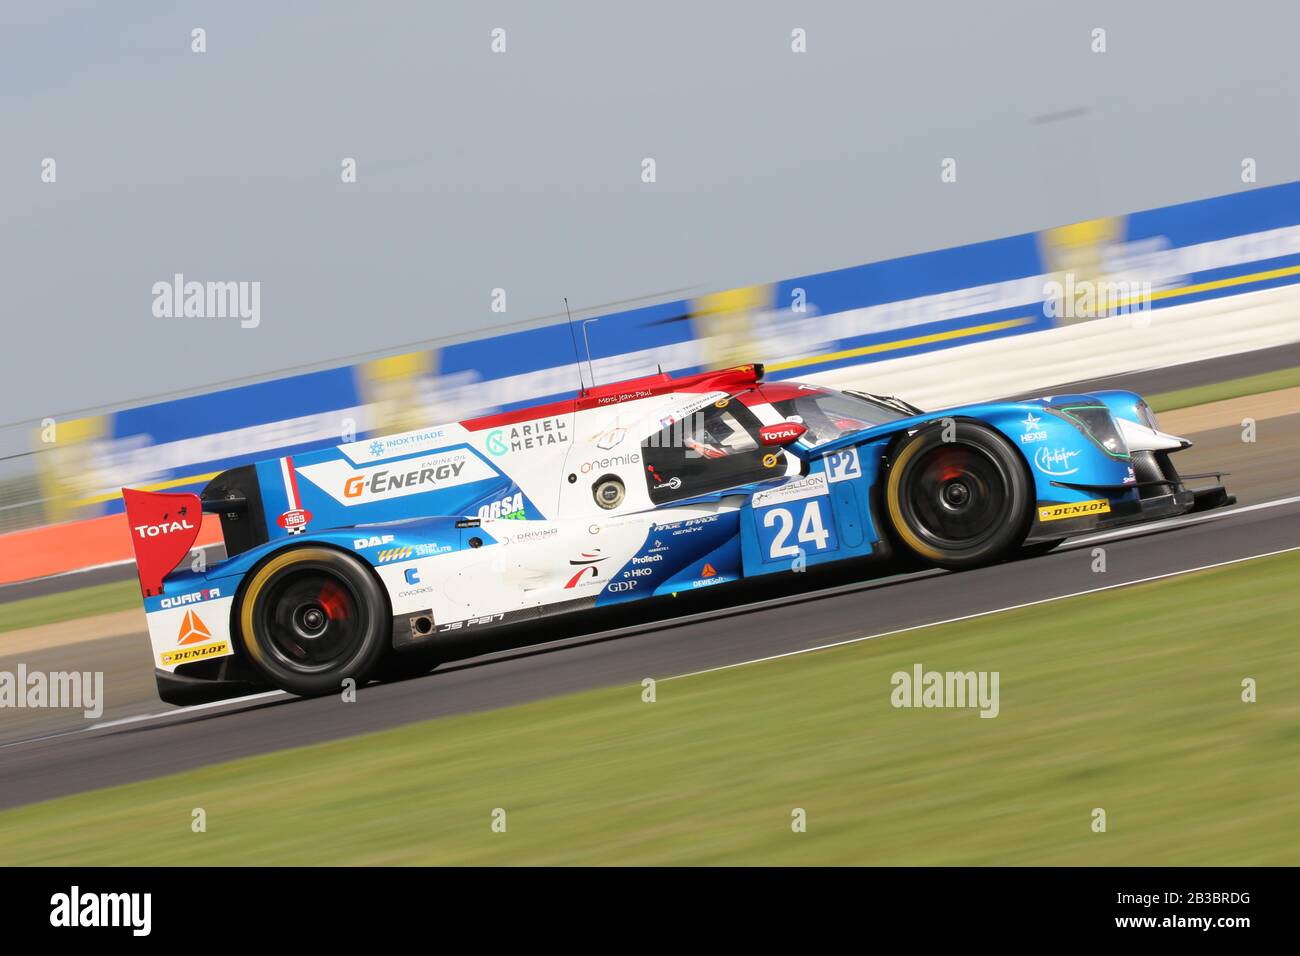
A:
[74, 909]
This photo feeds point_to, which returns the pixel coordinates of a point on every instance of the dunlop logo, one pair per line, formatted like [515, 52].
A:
[185, 655]
[1075, 509]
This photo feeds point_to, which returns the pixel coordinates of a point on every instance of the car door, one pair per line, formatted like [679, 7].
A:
[711, 450]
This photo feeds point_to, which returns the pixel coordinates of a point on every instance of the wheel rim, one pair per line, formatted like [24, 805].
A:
[311, 620]
[956, 496]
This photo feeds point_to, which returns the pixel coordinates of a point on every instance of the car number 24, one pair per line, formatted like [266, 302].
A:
[790, 530]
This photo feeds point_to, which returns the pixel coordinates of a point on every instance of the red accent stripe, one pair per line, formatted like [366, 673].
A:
[295, 502]
[606, 396]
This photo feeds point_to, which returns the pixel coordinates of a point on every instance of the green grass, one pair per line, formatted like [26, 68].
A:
[1218, 391]
[1128, 701]
[69, 605]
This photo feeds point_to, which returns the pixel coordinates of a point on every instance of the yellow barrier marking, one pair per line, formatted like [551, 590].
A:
[901, 344]
[158, 486]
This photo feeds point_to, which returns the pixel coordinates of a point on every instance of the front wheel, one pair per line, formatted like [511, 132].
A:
[960, 503]
[311, 618]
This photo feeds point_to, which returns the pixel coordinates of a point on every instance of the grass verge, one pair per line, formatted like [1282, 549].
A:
[1129, 701]
[69, 605]
[1220, 391]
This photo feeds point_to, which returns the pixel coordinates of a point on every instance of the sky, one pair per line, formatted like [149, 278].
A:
[522, 170]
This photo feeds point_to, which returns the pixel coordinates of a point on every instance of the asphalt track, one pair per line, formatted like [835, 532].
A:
[167, 742]
[45, 754]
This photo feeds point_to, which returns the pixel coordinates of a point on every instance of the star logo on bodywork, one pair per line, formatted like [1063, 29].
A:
[1030, 422]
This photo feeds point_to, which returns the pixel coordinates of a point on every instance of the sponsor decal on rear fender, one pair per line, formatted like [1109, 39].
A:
[356, 486]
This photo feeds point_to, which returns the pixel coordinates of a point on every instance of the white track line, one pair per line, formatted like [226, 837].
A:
[978, 614]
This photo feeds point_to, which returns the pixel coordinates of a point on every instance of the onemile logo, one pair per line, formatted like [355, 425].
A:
[74, 909]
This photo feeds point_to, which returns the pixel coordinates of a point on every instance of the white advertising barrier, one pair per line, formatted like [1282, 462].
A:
[1091, 349]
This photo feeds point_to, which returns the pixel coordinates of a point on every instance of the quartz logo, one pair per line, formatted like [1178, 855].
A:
[194, 597]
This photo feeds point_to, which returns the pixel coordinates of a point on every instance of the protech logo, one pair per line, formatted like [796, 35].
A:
[76, 909]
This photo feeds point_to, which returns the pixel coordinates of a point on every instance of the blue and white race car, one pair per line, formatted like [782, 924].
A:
[343, 560]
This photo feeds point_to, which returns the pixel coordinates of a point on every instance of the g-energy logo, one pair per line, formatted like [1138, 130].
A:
[75, 909]
[354, 486]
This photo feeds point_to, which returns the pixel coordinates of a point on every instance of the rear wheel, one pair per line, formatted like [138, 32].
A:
[961, 503]
[311, 618]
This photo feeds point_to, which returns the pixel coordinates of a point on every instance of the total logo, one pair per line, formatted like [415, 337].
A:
[1032, 432]
[163, 528]
[193, 597]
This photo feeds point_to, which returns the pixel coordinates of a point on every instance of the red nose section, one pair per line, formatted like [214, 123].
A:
[781, 434]
[163, 528]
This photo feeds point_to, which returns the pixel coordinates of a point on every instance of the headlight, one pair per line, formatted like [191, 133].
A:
[1146, 416]
[1095, 420]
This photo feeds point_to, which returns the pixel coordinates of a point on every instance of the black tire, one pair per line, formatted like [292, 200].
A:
[958, 504]
[1039, 548]
[310, 618]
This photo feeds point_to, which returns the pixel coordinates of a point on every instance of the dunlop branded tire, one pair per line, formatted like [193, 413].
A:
[311, 618]
[958, 504]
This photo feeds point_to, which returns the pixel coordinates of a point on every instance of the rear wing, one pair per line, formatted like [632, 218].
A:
[163, 526]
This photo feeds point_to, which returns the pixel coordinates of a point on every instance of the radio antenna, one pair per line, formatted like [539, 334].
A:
[577, 358]
[590, 371]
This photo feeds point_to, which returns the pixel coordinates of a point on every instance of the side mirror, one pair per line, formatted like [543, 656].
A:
[781, 434]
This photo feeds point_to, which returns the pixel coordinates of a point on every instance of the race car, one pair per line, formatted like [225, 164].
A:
[341, 561]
